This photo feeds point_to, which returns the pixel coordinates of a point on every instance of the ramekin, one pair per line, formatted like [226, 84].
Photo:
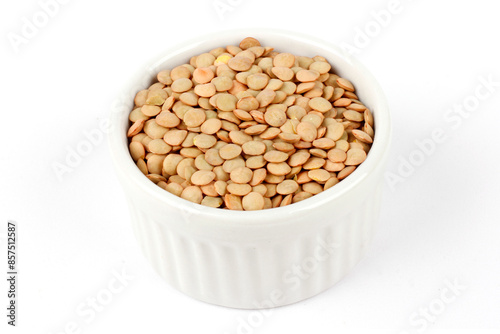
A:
[266, 258]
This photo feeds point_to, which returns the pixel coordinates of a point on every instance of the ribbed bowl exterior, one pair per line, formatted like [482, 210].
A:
[251, 274]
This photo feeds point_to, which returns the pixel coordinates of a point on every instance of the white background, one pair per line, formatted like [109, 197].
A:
[439, 222]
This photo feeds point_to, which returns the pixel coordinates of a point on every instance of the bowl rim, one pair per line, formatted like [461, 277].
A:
[125, 166]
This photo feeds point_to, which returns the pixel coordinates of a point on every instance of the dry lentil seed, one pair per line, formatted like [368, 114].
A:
[265, 97]
[136, 128]
[287, 187]
[368, 129]
[222, 83]
[283, 73]
[255, 129]
[255, 162]
[180, 72]
[314, 163]
[220, 187]
[239, 137]
[193, 194]
[249, 42]
[171, 162]
[368, 117]
[203, 75]
[337, 155]
[213, 158]
[239, 189]
[276, 201]
[182, 166]
[248, 103]
[316, 152]
[202, 177]
[257, 81]
[159, 146]
[307, 75]
[275, 156]
[205, 90]
[155, 163]
[141, 164]
[258, 176]
[345, 172]
[301, 196]
[307, 131]
[260, 188]
[279, 168]
[176, 178]
[233, 202]
[333, 166]
[241, 175]
[254, 148]
[320, 66]
[164, 77]
[304, 87]
[330, 183]
[174, 188]
[137, 150]
[209, 190]
[312, 187]
[213, 202]
[284, 59]
[204, 141]
[182, 85]
[324, 143]
[247, 124]
[240, 63]
[303, 177]
[167, 119]
[299, 158]
[342, 102]
[175, 137]
[320, 104]
[136, 115]
[270, 133]
[342, 145]
[140, 98]
[230, 151]
[319, 175]
[226, 102]
[211, 126]
[201, 163]
[355, 156]
[194, 117]
[345, 84]
[274, 179]
[362, 136]
[287, 200]
[289, 137]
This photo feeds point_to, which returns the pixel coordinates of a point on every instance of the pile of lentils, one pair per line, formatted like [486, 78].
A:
[249, 128]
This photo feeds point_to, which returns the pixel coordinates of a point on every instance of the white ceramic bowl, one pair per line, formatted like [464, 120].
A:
[256, 259]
